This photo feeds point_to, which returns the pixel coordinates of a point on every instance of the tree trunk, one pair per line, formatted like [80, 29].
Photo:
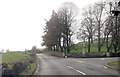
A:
[49, 47]
[57, 47]
[91, 39]
[99, 47]
[64, 45]
[108, 50]
[61, 48]
[54, 48]
[88, 44]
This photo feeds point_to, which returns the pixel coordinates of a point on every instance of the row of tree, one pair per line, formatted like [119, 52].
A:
[97, 23]
[100, 22]
[58, 30]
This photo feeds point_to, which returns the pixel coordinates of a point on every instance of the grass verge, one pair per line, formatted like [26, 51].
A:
[114, 65]
[30, 69]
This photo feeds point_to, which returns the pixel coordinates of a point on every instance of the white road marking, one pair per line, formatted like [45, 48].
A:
[81, 72]
[81, 61]
[99, 65]
[70, 67]
[76, 70]
[78, 61]
[89, 63]
[102, 59]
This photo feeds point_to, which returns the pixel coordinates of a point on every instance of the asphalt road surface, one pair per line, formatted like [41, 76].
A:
[50, 65]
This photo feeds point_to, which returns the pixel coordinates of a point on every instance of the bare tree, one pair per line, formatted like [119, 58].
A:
[59, 27]
[111, 30]
[67, 13]
[98, 13]
[88, 24]
[108, 24]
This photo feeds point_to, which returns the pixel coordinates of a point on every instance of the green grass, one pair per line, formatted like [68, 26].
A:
[0, 57]
[11, 57]
[114, 64]
[78, 48]
[30, 70]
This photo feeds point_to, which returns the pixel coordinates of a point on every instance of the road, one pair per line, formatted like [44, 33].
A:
[50, 65]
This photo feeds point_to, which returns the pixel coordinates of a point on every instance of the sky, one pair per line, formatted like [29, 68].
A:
[22, 21]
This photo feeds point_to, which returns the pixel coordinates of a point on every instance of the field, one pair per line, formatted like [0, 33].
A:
[11, 57]
[78, 48]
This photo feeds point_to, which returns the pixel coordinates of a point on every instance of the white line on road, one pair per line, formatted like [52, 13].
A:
[78, 61]
[89, 63]
[81, 72]
[76, 70]
[70, 67]
[81, 61]
[102, 59]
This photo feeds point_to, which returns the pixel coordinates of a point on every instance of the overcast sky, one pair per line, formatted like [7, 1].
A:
[21, 21]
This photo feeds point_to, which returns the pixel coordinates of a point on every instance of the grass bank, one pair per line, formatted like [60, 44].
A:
[78, 48]
[114, 65]
[12, 57]
[30, 69]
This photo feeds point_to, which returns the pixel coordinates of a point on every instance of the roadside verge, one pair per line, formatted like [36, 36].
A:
[113, 65]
